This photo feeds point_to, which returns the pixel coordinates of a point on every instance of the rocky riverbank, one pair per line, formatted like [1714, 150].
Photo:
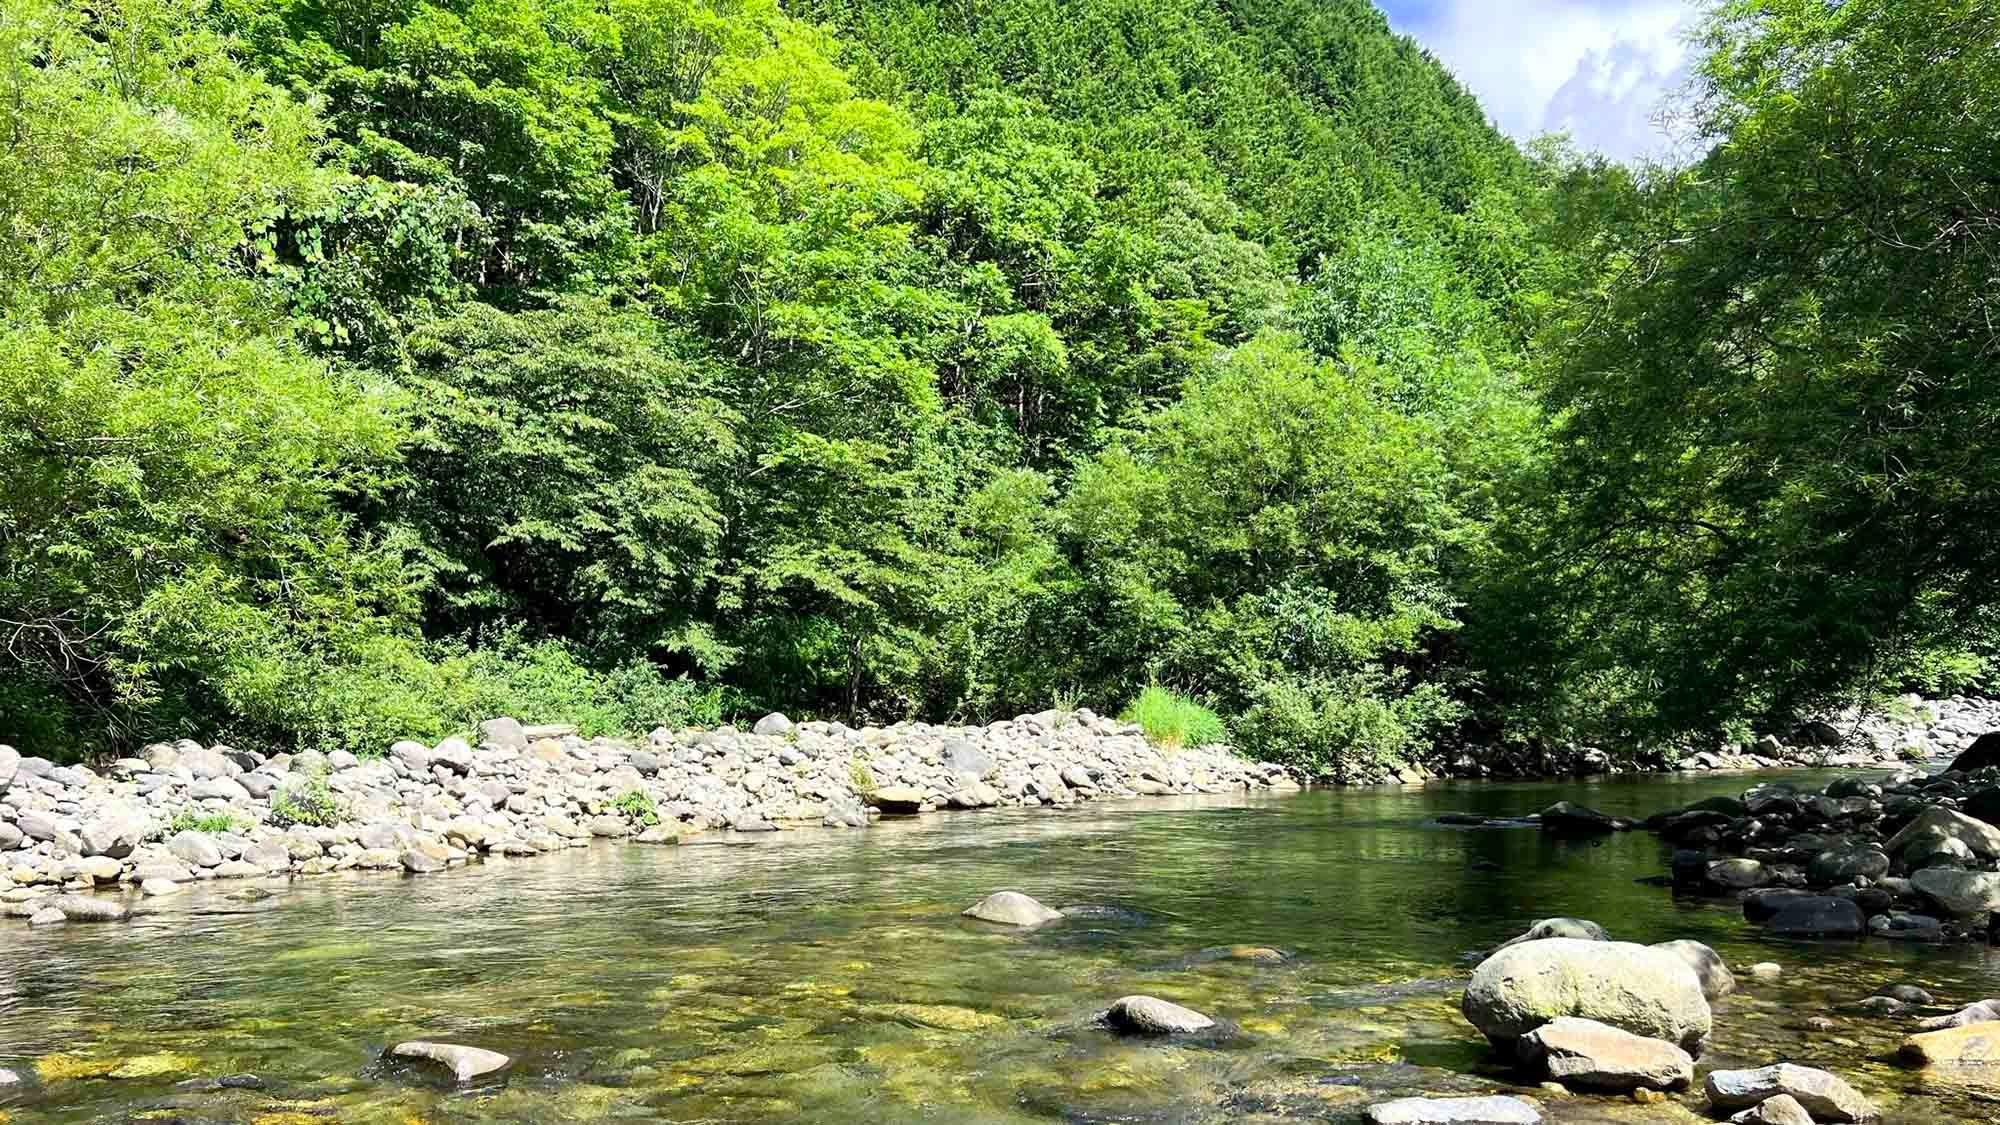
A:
[1911, 857]
[183, 812]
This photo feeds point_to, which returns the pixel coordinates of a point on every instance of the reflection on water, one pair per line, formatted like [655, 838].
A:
[826, 976]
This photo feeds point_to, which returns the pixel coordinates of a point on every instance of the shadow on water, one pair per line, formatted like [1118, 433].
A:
[827, 976]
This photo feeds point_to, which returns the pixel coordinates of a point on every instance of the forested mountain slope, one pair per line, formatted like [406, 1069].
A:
[374, 365]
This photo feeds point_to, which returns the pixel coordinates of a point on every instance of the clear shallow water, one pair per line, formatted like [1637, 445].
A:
[826, 976]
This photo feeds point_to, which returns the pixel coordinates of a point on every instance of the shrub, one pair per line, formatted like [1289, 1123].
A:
[309, 801]
[638, 806]
[1173, 720]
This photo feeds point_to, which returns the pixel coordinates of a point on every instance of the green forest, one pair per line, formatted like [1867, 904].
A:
[369, 367]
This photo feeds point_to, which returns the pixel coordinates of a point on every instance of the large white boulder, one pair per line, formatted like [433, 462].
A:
[1649, 992]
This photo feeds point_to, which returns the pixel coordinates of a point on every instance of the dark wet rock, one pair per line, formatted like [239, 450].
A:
[1824, 1096]
[1011, 908]
[1983, 1012]
[1150, 1015]
[1566, 818]
[1491, 1110]
[225, 1082]
[1901, 926]
[1818, 916]
[1763, 905]
[1907, 993]
[1597, 1056]
[1881, 1006]
[1716, 979]
[1582, 929]
[1984, 752]
[465, 1063]
[1845, 864]
[1248, 954]
[1648, 992]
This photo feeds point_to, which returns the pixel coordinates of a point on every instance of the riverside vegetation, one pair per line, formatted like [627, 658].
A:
[365, 373]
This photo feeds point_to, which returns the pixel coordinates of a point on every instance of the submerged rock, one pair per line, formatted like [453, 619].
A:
[85, 908]
[1973, 1044]
[465, 1063]
[1597, 1056]
[1646, 991]
[1824, 1096]
[1495, 1110]
[1982, 1012]
[1011, 908]
[1150, 1015]
[1567, 818]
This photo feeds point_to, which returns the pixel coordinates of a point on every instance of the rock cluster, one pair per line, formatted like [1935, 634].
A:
[1912, 857]
[184, 812]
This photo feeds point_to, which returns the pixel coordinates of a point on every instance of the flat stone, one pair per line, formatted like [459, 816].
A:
[87, 908]
[465, 1063]
[1011, 908]
[1597, 1056]
[46, 916]
[898, 800]
[1150, 1015]
[1972, 1044]
[1495, 1110]
[1823, 1095]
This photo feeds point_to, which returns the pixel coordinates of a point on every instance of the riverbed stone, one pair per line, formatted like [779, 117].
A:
[1150, 1015]
[1582, 929]
[1940, 823]
[10, 765]
[504, 733]
[1965, 894]
[1648, 992]
[464, 1063]
[1491, 1110]
[1568, 818]
[1011, 908]
[196, 848]
[1737, 874]
[1709, 967]
[1824, 1096]
[1980, 1012]
[1597, 1056]
[1782, 1109]
[1973, 1044]
[46, 916]
[773, 725]
[159, 888]
[1820, 916]
[88, 908]
[1845, 864]
[898, 800]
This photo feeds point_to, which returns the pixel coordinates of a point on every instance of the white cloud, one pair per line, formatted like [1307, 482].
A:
[1598, 69]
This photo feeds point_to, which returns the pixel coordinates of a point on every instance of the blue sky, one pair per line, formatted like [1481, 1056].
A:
[1598, 69]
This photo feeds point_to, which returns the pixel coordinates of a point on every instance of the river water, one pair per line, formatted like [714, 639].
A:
[827, 976]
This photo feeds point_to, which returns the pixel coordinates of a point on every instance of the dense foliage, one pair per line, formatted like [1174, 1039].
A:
[373, 365]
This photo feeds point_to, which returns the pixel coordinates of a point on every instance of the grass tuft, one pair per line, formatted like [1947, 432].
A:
[1173, 720]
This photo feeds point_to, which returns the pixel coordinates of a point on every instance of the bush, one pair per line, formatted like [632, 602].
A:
[1172, 720]
[638, 806]
[188, 820]
[1343, 727]
[308, 801]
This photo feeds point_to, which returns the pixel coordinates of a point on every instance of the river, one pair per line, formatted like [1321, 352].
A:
[827, 976]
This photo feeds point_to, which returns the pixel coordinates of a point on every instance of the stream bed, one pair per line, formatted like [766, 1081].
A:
[827, 976]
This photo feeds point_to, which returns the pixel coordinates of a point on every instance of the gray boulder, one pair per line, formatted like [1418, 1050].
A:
[1965, 894]
[1495, 1110]
[1011, 908]
[1938, 823]
[87, 908]
[195, 848]
[773, 725]
[1597, 1056]
[1817, 916]
[1716, 979]
[1648, 992]
[505, 733]
[1985, 1011]
[1824, 1096]
[1150, 1015]
[1845, 864]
